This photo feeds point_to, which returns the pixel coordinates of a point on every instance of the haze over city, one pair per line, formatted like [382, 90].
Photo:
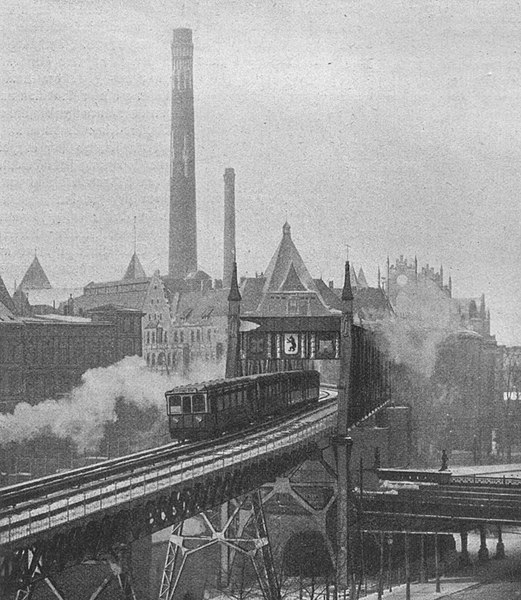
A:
[394, 129]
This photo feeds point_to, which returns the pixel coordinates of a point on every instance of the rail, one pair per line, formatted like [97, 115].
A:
[31, 507]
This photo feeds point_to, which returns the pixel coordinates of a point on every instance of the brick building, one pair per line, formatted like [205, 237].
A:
[45, 356]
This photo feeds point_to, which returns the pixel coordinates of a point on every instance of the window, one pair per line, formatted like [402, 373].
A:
[187, 404]
[193, 335]
[209, 335]
[198, 404]
[175, 337]
[148, 337]
[181, 337]
[198, 335]
[153, 337]
[174, 404]
[165, 337]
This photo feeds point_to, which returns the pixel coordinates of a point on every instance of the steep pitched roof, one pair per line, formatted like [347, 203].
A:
[195, 307]
[287, 270]
[251, 292]
[35, 277]
[352, 278]
[329, 296]
[362, 281]
[5, 297]
[21, 303]
[134, 269]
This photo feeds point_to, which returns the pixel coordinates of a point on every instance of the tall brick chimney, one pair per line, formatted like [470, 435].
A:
[229, 226]
[182, 257]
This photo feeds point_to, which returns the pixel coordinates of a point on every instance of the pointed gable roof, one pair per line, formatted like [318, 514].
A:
[134, 270]
[5, 297]
[35, 277]
[352, 278]
[287, 271]
[362, 281]
[293, 282]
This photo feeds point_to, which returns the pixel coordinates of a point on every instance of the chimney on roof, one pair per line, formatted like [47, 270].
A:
[331, 284]
[229, 226]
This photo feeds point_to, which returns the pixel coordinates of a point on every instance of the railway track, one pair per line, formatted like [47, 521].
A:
[28, 508]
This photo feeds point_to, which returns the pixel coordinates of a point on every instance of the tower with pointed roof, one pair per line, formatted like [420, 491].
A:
[287, 287]
[5, 297]
[35, 277]
[134, 270]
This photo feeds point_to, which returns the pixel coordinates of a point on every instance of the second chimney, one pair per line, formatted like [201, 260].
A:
[229, 226]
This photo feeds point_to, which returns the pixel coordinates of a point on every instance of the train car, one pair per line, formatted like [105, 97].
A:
[206, 410]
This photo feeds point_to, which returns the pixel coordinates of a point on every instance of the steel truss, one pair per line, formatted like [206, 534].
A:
[231, 533]
[32, 571]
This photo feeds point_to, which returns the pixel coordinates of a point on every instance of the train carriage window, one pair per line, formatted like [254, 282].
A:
[198, 403]
[187, 404]
[174, 404]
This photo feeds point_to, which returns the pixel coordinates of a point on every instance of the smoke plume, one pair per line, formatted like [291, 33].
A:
[424, 317]
[83, 414]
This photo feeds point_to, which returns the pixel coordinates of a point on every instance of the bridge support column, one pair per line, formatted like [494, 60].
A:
[32, 573]
[346, 416]
[464, 559]
[407, 568]
[483, 550]
[500, 548]
[437, 563]
[381, 571]
[423, 575]
[231, 534]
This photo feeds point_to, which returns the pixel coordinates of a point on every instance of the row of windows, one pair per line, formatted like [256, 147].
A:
[161, 359]
[195, 335]
[155, 316]
[161, 337]
[179, 337]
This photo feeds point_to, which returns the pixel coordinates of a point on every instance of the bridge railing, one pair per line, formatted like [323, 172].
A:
[20, 519]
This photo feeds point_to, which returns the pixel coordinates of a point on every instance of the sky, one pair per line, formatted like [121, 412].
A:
[392, 127]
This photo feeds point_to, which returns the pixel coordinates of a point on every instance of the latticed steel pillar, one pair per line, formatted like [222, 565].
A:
[32, 572]
[232, 535]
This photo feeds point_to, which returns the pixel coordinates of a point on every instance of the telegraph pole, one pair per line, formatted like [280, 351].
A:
[343, 444]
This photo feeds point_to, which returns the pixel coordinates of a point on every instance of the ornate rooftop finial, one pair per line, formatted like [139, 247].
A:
[286, 229]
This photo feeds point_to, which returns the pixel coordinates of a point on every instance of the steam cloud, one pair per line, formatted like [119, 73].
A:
[83, 414]
[424, 317]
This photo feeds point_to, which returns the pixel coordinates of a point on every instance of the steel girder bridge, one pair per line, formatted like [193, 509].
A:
[64, 519]
[95, 513]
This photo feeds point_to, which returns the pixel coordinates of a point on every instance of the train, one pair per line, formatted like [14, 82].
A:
[206, 410]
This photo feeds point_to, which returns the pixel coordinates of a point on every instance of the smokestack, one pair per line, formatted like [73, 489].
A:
[229, 226]
[182, 257]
